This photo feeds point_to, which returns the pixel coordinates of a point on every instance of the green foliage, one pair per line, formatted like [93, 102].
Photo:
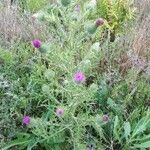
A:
[32, 5]
[116, 12]
[133, 134]
[36, 82]
[65, 2]
[5, 57]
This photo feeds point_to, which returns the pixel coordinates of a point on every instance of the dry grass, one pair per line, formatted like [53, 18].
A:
[14, 26]
[138, 54]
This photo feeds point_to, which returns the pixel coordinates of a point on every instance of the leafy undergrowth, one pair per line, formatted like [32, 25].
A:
[76, 89]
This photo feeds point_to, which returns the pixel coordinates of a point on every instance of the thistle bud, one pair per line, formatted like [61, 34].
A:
[92, 29]
[36, 43]
[44, 48]
[99, 22]
[105, 118]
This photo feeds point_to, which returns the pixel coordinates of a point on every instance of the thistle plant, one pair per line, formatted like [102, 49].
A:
[66, 55]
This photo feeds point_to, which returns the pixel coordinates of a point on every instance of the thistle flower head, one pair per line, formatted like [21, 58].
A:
[26, 120]
[105, 118]
[59, 112]
[79, 77]
[36, 43]
[99, 22]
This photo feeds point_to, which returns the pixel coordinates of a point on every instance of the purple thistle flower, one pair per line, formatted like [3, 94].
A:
[59, 112]
[36, 43]
[105, 118]
[26, 120]
[79, 77]
[99, 22]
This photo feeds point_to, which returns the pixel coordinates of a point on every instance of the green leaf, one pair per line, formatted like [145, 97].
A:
[45, 88]
[142, 145]
[32, 144]
[22, 135]
[65, 2]
[111, 103]
[141, 126]
[16, 142]
[145, 138]
[5, 56]
[127, 129]
[116, 126]
[49, 74]
[103, 93]
[34, 5]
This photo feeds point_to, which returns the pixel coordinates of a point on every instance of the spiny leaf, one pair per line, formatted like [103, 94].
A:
[16, 142]
[116, 126]
[141, 126]
[127, 129]
[142, 145]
